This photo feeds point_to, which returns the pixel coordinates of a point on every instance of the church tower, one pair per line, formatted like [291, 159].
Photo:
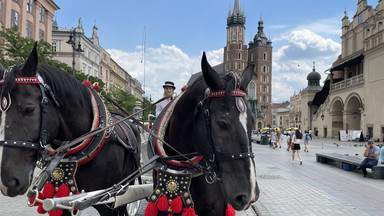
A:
[260, 55]
[235, 51]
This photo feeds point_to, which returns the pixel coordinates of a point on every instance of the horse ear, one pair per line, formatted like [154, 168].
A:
[212, 79]
[247, 76]
[29, 69]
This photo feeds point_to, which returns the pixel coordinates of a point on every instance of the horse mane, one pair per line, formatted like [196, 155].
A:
[67, 89]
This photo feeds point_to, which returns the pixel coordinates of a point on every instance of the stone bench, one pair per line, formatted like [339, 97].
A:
[339, 160]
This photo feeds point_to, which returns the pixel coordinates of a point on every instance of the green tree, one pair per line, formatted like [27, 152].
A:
[15, 49]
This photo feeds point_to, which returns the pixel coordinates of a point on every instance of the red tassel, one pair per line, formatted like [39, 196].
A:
[189, 212]
[230, 211]
[162, 203]
[63, 191]
[58, 212]
[49, 190]
[40, 209]
[177, 205]
[151, 210]
[87, 83]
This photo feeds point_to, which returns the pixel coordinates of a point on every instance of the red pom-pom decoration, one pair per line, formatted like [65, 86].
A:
[49, 190]
[151, 210]
[87, 83]
[40, 209]
[162, 203]
[183, 88]
[230, 211]
[189, 212]
[96, 87]
[58, 212]
[63, 191]
[177, 205]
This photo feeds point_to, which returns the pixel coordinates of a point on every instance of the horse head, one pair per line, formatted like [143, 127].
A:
[20, 125]
[222, 128]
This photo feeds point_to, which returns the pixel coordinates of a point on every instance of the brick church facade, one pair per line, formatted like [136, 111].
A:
[237, 56]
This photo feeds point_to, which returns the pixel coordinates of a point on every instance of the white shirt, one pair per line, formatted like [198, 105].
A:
[160, 106]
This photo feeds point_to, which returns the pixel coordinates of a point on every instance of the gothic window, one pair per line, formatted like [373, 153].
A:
[253, 57]
[265, 56]
[239, 55]
[360, 18]
[264, 69]
[239, 66]
[252, 90]
[265, 79]
[239, 46]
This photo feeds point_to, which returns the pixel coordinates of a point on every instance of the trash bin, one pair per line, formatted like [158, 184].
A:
[264, 140]
[347, 167]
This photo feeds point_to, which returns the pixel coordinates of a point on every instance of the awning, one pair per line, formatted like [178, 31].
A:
[349, 61]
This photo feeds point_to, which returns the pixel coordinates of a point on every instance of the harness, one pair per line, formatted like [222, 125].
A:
[198, 165]
[6, 103]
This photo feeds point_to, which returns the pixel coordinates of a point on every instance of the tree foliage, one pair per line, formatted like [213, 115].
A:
[15, 49]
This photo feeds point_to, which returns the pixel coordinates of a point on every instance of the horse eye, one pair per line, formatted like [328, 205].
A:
[29, 110]
[222, 124]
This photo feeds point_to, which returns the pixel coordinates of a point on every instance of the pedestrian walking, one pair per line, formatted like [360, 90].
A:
[296, 139]
[316, 133]
[273, 139]
[279, 137]
[382, 155]
[310, 134]
[306, 140]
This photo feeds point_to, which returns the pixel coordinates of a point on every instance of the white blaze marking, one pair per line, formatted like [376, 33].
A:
[252, 177]
[2, 135]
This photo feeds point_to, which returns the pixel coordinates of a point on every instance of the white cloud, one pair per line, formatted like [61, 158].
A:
[162, 64]
[292, 62]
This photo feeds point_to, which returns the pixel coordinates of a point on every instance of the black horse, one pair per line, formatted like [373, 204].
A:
[69, 113]
[211, 118]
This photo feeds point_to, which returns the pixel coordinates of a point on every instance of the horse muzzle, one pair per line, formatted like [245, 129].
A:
[4, 190]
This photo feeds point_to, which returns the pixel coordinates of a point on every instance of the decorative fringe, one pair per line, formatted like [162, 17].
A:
[162, 203]
[151, 210]
[230, 211]
[177, 205]
[189, 212]
[40, 209]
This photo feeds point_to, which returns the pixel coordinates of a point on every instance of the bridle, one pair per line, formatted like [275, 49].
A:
[6, 103]
[213, 156]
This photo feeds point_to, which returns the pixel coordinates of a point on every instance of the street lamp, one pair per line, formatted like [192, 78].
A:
[72, 41]
[354, 113]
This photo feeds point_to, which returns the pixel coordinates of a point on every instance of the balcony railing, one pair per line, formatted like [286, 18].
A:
[359, 79]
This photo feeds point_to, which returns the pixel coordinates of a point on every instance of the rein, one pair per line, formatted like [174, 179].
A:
[213, 156]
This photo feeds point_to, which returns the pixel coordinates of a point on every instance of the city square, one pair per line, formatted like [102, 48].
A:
[71, 88]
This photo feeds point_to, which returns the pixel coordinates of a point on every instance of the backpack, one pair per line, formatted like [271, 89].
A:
[308, 137]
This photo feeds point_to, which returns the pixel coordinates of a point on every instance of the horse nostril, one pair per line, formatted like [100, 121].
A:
[242, 199]
[14, 182]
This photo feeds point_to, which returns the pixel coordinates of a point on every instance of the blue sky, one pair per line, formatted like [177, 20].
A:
[178, 31]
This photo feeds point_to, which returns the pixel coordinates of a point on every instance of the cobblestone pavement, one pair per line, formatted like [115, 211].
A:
[290, 189]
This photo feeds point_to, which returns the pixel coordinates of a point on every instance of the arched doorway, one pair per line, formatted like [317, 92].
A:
[353, 113]
[337, 117]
